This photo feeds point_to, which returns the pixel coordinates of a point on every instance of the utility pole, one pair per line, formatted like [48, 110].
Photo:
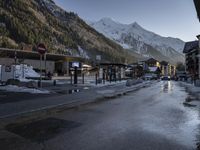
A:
[198, 37]
[15, 59]
[45, 63]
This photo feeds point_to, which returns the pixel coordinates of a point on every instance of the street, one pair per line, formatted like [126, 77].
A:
[152, 118]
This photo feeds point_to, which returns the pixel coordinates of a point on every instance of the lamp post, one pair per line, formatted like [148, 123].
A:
[15, 59]
[45, 64]
[99, 73]
[198, 37]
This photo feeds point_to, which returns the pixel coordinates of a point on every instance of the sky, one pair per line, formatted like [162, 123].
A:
[169, 18]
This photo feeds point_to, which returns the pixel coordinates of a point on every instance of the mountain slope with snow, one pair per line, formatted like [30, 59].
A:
[27, 23]
[136, 38]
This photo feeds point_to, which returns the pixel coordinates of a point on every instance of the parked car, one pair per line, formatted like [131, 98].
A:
[165, 78]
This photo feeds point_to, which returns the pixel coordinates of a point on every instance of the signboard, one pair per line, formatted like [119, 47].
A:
[101, 73]
[76, 64]
[7, 68]
[98, 57]
[41, 48]
[7, 72]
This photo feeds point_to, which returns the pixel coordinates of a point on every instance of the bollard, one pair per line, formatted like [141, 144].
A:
[75, 75]
[71, 78]
[96, 78]
[103, 78]
[83, 82]
[54, 82]
[39, 83]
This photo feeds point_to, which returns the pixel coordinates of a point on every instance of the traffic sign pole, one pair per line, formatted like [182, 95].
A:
[41, 48]
[40, 70]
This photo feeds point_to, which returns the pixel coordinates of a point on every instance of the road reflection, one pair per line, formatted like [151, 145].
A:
[167, 86]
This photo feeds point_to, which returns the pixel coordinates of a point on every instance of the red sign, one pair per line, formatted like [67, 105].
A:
[41, 48]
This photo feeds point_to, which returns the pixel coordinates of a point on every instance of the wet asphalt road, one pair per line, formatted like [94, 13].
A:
[152, 118]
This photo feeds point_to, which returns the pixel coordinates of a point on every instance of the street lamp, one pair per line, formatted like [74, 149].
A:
[15, 59]
[99, 74]
[198, 37]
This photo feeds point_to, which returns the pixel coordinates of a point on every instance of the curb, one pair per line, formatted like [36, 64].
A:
[188, 87]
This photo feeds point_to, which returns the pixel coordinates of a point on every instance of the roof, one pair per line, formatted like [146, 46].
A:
[197, 5]
[164, 63]
[22, 54]
[143, 59]
[190, 46]
[151, 60]
[112, 64]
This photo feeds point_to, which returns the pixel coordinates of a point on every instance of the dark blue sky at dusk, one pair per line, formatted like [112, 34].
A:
[175, 18]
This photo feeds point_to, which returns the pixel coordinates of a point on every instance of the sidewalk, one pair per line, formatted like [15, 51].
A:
[56, 103]
[191, 88]
[193, 99]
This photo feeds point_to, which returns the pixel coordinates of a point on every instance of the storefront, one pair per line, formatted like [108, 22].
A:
[54, 63]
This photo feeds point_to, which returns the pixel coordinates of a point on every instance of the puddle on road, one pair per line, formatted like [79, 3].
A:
[42, 130]
[69, 91]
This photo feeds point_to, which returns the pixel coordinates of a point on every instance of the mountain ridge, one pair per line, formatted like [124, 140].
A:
[135, 37]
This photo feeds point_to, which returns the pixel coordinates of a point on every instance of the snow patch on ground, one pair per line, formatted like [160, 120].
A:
[14, 88]
[125, 46]
[194, 91]
[105, 91]
[24, 71]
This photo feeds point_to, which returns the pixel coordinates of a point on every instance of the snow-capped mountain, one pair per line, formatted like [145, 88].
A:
[135, 37]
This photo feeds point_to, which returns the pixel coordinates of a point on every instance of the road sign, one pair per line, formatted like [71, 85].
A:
[98, 57]
[7, 68]
[41, 48]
